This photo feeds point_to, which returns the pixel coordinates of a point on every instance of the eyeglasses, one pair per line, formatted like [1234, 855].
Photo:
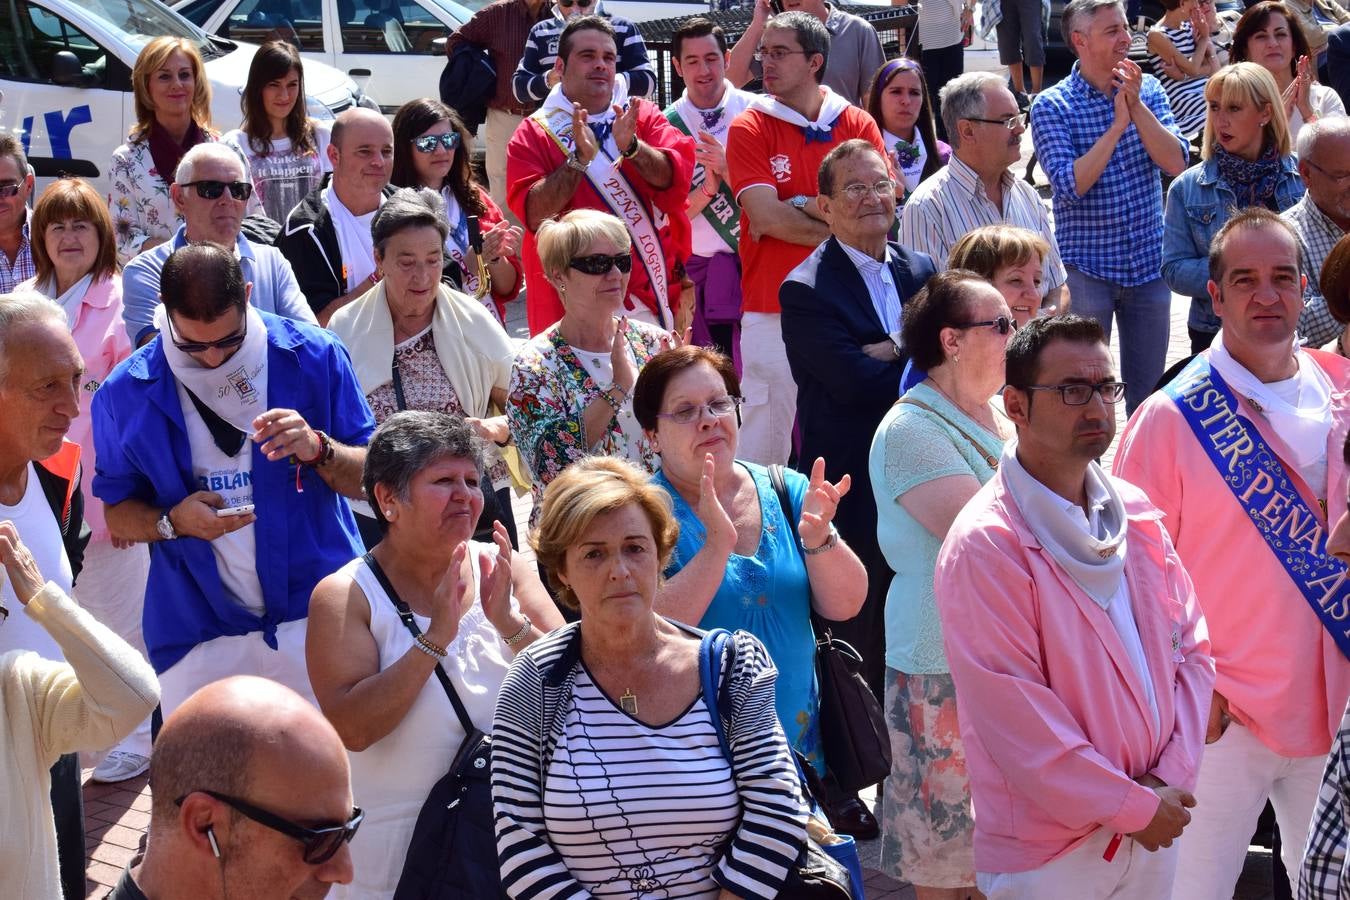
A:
[1002, 325]
[1012, 124]
[719, 408]
[10, 190]
[321, 844]
[1080, 394]
[858, 191]
[1341, 179]
[568, 4]
[776, 54]
[225, 343]
[601, 263]
[427, 143]
[211, 190]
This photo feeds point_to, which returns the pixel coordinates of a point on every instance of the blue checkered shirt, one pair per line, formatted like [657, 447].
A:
[14, 274]
[1114, 231]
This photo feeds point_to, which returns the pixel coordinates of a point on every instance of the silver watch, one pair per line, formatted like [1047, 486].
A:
[798, 202]
[165, 528]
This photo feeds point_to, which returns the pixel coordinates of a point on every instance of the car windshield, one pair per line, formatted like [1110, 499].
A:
[460, 13]
[142, 20]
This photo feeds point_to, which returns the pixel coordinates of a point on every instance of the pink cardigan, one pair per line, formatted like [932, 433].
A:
[1055, 725]
[1281, 672]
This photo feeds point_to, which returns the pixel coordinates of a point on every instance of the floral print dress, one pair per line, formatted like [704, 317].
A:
[140, 203]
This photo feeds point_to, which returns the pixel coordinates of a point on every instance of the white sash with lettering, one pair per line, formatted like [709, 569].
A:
[605, 175]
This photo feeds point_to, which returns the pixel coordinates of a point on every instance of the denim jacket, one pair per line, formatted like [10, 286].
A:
[1198, 205]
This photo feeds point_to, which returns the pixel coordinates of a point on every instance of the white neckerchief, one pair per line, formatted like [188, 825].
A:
[556, 102]
[1091, 549]
[831, 107]
[913, 173]
[69, 301]
[237, 390]
[1304, 426]
[353, 234]
[733, 102]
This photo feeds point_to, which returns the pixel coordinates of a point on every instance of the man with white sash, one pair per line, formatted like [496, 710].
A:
[229, 443]
[590, 146]
[704, 112]
[1234, 452]
[1077, 646]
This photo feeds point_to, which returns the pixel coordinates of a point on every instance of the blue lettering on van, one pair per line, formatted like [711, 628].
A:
[59, 128]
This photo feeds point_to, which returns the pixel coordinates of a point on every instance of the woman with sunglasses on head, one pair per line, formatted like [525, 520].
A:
[899, 102]
[433, 149]
[931, 453]
[743, 560]
[571, 392]
[474, 604]
[286, 150]
[1246, 160]
[1271, 35]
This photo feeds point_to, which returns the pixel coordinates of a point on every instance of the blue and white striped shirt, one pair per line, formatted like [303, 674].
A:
[876, 274]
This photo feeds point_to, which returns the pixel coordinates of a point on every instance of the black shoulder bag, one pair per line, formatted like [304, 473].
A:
[453, 851]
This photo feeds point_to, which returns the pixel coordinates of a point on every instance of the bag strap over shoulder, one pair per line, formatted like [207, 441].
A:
[717, 644]
[779, 482]
[991, 461]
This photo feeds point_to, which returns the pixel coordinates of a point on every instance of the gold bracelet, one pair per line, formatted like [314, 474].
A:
[429, 648]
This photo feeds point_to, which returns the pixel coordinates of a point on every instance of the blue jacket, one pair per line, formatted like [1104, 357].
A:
[1198, 205]
[142, 452]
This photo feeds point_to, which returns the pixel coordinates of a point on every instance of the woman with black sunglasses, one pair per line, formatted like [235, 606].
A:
[433, 149]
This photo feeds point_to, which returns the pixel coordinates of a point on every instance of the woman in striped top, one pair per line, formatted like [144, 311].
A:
[1183, 57]
[607, 774]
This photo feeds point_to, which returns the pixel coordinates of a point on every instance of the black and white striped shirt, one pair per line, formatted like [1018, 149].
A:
[1186, 97]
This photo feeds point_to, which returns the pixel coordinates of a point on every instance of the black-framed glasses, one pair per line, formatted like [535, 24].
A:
[428, 143]
[10, 190]
[858, 191]
[601, 263]
[229, 342]
[1011, 123]
[1001, 324]
[1080, 394]
[719, 408]
[777, 54]
[321, 844]
[211, 189]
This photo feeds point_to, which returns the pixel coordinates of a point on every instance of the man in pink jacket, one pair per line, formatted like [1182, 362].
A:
[1080, 658]
[1235, 452]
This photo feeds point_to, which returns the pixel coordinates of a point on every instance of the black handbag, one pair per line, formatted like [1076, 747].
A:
[853, 730]
[453, 851]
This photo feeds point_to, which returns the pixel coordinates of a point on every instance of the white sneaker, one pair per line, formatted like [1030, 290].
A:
[120, 765]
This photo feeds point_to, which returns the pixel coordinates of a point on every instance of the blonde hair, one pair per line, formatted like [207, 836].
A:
[561, 240]
[992, 247]
[586, 490]
[152, 57]
[1250, 84]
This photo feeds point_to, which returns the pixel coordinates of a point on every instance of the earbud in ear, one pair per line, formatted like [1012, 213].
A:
[211, 839]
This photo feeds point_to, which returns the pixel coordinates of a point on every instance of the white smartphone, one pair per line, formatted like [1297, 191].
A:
[234, 511]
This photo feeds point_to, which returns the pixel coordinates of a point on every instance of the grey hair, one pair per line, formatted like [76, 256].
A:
[811, 34]
[409, 441]
[1078, 11]
[963, 98]
[1312, 132]
[187, 166]
[408, 208]
[18, 309]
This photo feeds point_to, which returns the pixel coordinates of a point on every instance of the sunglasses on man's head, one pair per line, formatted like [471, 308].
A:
[601, 263]
[211, 190]
[321, 844]
[428, 143]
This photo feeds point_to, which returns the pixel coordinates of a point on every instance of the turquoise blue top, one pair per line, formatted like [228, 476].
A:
[768, 595]
[911, 447]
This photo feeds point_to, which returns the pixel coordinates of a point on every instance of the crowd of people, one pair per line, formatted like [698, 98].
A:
[805, 362]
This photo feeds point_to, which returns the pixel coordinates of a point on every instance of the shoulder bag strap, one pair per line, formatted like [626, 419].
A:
[405, 613]
[711, 652]
[779, 482]
[991, 461]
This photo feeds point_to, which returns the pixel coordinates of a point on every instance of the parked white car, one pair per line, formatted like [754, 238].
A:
[65, 78]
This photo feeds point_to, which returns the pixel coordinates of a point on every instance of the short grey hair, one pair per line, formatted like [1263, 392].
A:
[1076, 12]
[22, 308]
[408, 208]
[224, 153]
[963, 98]
[811, 34]
[1312, 132]
[409, 441]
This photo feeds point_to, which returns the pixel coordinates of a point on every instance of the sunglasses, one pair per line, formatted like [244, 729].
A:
[428, 143]
[10, 190]
[1002, 325]
[211, 190]
[226, 343]
[321, 844]
[601, 263]
[568, 4]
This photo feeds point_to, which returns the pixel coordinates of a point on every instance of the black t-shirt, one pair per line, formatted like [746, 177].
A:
[126, 888]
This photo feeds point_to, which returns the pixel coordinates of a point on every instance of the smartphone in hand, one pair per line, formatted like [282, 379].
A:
[230, 511]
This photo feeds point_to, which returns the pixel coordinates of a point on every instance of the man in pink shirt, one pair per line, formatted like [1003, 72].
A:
[1080, 658]
[1235, 453]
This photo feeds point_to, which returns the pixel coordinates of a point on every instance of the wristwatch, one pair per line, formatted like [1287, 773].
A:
[798, 202]
[165, 528]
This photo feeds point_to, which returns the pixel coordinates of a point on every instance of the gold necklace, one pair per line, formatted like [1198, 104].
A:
[628, 702]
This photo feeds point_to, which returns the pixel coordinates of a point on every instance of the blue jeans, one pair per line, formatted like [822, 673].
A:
[1144, 313]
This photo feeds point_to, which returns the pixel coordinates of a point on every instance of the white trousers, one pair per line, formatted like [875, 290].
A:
[497, 131]
[1081, 874]
[1238, 774]
[239, 655]
[770, 393]
[111, 587]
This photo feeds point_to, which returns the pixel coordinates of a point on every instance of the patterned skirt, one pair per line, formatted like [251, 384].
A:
[926, 820]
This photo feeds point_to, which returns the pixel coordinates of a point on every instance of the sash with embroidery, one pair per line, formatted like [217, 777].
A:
[623, 201]
[1259, 482]
[721, 213]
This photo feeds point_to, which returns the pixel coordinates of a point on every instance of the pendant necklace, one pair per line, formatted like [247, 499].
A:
[628, 703]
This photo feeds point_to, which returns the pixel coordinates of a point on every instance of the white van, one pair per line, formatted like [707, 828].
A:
[65, 79]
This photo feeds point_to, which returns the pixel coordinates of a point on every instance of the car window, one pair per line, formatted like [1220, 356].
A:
[388, 26]
[198, 11]
[298, 22]
[30, 39]
[139, 21]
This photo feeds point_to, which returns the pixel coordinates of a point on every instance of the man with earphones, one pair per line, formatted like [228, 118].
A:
[251, 797]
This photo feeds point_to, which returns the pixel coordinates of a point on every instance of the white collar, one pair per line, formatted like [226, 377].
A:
[865, 262]
[831, 107]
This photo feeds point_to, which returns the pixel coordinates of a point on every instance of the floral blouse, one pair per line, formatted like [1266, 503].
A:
[548, 393]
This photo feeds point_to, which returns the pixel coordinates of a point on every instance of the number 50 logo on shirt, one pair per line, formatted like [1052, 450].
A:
[781, 167]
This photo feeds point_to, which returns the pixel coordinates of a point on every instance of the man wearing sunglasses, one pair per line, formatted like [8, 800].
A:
[1235, 452]
[251, 797]
[16, 187]
[228, 444]
[1076, 644]
[211, 190]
